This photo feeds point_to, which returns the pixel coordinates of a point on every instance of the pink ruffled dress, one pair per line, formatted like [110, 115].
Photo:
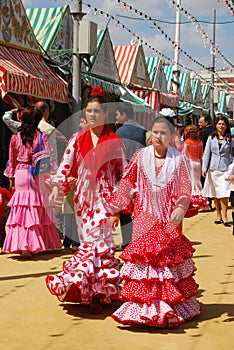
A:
[159, 289]
[31, 221]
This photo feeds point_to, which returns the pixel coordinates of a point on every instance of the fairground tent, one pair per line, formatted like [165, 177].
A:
[53, 28]
[23, 72]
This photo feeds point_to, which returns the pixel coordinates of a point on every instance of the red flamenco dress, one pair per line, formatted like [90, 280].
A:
[159, 289]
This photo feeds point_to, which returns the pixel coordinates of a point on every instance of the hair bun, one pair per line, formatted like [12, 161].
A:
[97, 91]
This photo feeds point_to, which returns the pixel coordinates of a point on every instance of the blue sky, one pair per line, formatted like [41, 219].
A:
[190, 37]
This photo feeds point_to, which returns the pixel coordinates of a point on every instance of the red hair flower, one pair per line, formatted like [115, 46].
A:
[97, 91]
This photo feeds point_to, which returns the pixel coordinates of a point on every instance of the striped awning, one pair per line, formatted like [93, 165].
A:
[150, 97]
[168, 70]
[125, 58]
[46, 23]
[222, 102]
[152, 63]
[143, 112]
[27, 74]
[108, 86]
[138, 103]
[100, 35]
[184, 108]
[206, 94]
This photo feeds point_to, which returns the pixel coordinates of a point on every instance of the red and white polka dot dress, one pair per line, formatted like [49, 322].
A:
[93, 271]
[159, 289]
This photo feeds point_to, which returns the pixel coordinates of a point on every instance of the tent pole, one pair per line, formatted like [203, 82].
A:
[76, 61]
[176, 51]
[212, 68]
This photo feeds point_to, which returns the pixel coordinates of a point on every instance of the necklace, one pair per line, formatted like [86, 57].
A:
[160, 157]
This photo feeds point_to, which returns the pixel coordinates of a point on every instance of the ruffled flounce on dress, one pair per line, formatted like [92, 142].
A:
[159, 289]
[92, 272]
[31, 220]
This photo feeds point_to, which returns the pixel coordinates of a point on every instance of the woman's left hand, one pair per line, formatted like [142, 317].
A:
[177, 216]
[114, 221]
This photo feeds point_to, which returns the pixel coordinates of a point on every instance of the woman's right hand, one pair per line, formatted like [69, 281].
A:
[54, 198]
[114, 221]
[204, 173]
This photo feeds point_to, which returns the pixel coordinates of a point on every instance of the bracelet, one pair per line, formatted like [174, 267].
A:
[114, 214]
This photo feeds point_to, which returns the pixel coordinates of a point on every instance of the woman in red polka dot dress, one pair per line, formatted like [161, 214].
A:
[95, 157]
[159, 289]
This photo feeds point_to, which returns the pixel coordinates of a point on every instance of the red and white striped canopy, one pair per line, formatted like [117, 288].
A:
[125, 58]
[151, 97]
[26, 73]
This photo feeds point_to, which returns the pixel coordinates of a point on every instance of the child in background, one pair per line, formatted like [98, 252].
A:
[5, 196]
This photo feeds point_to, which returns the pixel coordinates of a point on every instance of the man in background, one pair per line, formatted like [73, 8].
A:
[134, 138]
[205, 129]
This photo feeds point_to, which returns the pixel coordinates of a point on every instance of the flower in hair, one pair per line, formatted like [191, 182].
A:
[97, 91]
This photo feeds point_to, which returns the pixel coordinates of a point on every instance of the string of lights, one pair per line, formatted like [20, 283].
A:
[95, 11]
[205, 37]
[173, 22]
[200, 29]
[230, 6]
[126, 6]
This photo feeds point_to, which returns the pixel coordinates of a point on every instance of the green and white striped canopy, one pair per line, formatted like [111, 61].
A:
[46, 23]
[152, 63]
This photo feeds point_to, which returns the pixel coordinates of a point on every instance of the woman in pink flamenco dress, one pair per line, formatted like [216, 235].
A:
[159, 289]
[95, 158]
[31, 219]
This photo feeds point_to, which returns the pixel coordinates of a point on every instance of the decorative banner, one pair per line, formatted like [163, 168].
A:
[16, 31]
[167, 59]
[200, 29]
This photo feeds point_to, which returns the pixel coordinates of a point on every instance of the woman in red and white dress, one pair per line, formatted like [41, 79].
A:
[159, 289]
[193, 151]
[95, 158]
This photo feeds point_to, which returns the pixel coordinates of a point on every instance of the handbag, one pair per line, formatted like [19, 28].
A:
[40, 161]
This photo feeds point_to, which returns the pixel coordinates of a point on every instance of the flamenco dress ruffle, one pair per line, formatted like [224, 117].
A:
[31, 219]
[159, 289]
[92, 272]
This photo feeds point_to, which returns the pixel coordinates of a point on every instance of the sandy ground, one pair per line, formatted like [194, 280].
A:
[31, 318]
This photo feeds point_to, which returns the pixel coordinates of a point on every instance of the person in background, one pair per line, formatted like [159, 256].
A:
[193, 151]
[31, 220]
[159, 289]
[132, 133]
[205, 129]
[44, 125]
[13, 119]
[134, 138]
[231, 126]
[96, 159]
[229, 176]
[5, 196]
[71, 237]
[52, 133]
[179, 130]
[216, 159]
